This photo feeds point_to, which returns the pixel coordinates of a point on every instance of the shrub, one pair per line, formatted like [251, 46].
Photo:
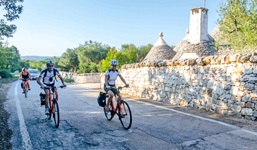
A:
[5, 74]
[69, 80]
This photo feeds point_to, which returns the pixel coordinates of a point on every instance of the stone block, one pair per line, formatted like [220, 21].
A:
[253, 59]
[247, 111]
[227, 59]
[207, 60]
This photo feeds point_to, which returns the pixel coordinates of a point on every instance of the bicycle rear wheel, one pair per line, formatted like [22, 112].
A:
[125, 115]
[109, 115]
[56, 114]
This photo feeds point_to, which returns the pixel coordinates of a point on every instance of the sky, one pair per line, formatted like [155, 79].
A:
[50, 27]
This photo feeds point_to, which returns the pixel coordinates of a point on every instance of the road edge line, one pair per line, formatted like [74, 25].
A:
[26, 142]
[202, 118]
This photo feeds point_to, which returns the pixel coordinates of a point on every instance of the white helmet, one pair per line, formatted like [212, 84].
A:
[114, 62]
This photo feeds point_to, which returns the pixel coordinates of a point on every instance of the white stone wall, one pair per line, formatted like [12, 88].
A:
[82, 78]
[222, 84]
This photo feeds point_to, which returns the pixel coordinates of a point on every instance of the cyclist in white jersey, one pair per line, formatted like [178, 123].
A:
[110, 78]
[48, 77]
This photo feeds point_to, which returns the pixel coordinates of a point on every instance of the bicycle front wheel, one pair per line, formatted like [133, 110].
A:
[125, 115]
[56, 114]
[109, 114]
[25, 91]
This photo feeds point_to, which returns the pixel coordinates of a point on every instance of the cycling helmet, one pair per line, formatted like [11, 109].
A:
[114, 62]
[49, 62]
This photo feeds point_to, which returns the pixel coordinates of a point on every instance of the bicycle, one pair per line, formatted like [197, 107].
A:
[122, 109]
[53, 105]
[25, 86]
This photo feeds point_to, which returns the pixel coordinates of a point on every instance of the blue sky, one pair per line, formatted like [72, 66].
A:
[49, 27]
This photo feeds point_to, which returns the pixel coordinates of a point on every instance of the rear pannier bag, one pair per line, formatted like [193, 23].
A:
[101, 99]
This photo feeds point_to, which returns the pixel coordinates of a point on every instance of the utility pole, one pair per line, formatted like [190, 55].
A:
[204, 4]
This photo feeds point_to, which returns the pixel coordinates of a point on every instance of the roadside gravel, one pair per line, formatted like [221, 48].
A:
[5, 132]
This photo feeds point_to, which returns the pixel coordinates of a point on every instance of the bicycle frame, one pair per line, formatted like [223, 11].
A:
[53, 105]
[25, 86]
[122, 109]
[117, 104]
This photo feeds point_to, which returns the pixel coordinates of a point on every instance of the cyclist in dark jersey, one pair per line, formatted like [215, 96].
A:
[24, 75]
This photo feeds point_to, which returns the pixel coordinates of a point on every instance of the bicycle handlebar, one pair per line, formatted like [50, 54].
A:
[120, 87]
[61, 86]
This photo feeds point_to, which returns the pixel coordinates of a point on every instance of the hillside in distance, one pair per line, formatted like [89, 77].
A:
[35, 58]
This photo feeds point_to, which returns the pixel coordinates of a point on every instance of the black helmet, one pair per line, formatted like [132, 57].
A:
[49, 62]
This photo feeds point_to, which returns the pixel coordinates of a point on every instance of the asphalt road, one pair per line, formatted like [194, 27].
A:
[84, 126]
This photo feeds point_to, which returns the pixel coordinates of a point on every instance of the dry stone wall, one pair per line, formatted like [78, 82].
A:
[82, 78]
[221, 84]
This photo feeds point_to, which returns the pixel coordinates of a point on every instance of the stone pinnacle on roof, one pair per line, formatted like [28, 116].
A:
[160, 51]
[197, 42]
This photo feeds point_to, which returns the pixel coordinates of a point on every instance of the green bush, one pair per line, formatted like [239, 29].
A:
[68, 80]
[5, 74]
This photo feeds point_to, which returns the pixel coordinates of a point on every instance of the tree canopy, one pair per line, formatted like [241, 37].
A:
[238, 24]
[12, 10]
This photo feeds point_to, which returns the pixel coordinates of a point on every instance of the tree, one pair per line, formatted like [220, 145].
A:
[131, 53]
[105, 63]
[69, 61]
[89, 56]
[9, 58]
[238, 23]
[143, 51]
[13, 10]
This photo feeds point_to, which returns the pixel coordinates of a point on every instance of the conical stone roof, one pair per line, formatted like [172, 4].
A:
[203, 48]
[160, 51]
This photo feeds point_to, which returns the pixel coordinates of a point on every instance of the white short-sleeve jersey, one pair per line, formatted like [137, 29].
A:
[49, 77]
[112, 76]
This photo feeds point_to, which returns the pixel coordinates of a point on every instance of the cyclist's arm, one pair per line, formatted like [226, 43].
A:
[20, 75]
[29, 76]
[62, 80]
[39, 82]
[106, 80]
[122, 79]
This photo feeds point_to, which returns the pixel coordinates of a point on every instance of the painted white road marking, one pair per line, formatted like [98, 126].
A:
[202, 118]
[26, 143]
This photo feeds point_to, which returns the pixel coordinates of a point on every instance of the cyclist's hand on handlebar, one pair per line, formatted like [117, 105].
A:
[63, 86]
[107, 88]
[42, 87]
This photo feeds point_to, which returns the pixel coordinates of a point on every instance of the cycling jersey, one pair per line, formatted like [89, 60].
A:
[112, 76]
[26, 76]
[49, 77]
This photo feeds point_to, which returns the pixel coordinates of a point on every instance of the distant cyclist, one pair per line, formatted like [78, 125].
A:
[24, 75]
[110, 79]
[48, 76]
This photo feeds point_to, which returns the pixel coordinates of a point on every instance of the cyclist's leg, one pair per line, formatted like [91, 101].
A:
[46, 97]
[28, 84]
[56, 93]
[111, 94]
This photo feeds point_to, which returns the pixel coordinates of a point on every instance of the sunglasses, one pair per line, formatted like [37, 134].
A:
[114, 65]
